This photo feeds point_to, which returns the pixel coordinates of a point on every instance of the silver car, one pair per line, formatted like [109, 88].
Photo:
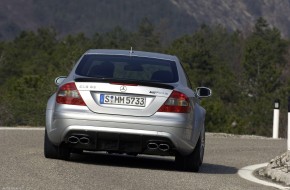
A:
[131, 102]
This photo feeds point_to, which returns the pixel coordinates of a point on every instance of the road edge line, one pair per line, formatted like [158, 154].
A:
[247, 173]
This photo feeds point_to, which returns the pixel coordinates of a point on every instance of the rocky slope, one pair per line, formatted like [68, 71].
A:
[175, 17]
[238, 15]
[278, 169]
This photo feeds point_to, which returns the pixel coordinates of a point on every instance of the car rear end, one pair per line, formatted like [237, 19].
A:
[119, 101]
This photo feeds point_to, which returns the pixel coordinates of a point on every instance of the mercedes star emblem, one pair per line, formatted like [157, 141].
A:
[123, 88]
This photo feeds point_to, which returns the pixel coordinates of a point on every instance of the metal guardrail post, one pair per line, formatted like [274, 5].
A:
[276, 119]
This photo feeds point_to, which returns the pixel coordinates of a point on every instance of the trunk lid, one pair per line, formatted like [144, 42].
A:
[107, 96]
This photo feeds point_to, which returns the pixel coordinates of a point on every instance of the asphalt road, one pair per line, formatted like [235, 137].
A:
[23, 166]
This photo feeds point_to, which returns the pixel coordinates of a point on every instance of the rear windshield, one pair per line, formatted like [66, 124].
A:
[128, 68]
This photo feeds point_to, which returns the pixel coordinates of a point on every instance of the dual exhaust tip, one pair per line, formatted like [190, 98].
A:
[76, 140]
[151, 146]
[154, 146]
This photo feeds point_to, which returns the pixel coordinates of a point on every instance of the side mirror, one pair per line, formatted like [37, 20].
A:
[59, 80]
[203, 92]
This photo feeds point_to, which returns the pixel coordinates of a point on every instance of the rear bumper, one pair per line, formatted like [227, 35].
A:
[176, 131]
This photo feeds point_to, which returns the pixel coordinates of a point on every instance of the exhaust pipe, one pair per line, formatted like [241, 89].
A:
[164, 147]
[152, 146]
[73, 139]
[84, 140]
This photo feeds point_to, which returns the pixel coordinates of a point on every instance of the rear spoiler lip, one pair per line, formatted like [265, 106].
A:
[140, 83]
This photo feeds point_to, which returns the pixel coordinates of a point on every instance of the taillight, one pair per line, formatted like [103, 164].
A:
[177, 103]
[69, 94]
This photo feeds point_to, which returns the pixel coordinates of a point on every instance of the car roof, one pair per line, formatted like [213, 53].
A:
[134, 53]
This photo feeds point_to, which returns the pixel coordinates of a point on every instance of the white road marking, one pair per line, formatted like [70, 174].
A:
[247, 173]
[21, 128]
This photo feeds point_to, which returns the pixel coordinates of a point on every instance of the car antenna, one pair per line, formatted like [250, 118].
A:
[131, 51]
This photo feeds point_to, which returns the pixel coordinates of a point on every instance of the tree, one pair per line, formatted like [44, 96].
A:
[117, 39]
[205, 55]
[263, 61]
[146, 39]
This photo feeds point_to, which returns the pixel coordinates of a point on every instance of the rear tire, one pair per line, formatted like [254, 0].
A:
[54, 152]
[193, 161]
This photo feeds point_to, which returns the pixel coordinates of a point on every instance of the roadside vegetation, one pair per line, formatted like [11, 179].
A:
[246, 72]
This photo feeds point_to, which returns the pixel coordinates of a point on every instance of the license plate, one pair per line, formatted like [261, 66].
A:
[122, 100]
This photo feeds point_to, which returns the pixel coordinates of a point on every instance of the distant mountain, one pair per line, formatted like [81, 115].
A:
[170, 17]
[238, 14]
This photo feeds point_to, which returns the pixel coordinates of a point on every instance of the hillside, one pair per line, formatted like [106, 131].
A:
[238, 15]
[171, 17]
